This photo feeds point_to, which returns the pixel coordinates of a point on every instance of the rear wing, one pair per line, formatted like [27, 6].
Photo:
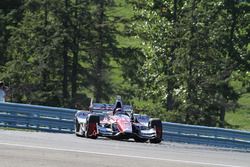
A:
[128, 108]
[101, 108]
[105, 108]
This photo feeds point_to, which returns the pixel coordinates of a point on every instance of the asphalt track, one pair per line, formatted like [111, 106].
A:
[37, 149]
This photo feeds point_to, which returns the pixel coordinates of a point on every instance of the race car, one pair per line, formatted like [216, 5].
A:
[117, 121]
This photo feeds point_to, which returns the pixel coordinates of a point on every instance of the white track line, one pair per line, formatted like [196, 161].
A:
[110, 154]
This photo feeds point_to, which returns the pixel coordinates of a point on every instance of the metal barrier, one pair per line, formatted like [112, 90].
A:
[34, 117]
[54, 119]
[206, 135]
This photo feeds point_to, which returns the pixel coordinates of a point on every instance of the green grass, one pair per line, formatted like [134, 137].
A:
[240, 119]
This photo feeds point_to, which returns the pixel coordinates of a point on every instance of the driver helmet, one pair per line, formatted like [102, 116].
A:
[118, 110]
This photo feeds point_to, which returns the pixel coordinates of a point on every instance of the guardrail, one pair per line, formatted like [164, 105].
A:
[54, 119]
[34, 117]
[206, 135]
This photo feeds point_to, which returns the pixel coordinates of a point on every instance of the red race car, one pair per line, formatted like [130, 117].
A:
[117, 121]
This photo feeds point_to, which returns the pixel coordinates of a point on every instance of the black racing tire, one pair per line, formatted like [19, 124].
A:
[92, 120]
[157, 124]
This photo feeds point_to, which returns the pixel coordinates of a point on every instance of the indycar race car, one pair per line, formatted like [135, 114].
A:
[117, 121]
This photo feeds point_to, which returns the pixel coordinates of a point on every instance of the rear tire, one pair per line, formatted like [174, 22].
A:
[91, 126]
[157, 125]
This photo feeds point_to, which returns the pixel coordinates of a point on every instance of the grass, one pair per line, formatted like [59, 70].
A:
[240, 119]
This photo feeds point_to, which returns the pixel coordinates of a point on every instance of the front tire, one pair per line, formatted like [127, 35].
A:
[91, 127]
[157, 125]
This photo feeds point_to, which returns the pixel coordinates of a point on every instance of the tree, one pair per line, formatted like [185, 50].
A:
[34, 48]
[62, 50]
[187, 64]
[65, 51]
[101, 47]
[10, 14]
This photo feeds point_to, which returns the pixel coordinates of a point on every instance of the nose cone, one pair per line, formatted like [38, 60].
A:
[124, 125]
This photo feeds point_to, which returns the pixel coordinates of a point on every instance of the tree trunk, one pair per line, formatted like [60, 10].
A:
[170, 84]
[75, 59]
[45, 72]
[222, 118]
[231, 52]
[5, 41]
[190, 85]
[100, 54]
[65, 59]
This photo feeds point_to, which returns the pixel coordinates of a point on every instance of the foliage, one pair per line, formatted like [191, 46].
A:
[183, 61]
[188, 62]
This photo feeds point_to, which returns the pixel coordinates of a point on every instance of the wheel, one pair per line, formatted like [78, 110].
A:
[91, 127]
[157, 125]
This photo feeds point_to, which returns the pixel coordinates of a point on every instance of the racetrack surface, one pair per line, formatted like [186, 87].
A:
[37, 149]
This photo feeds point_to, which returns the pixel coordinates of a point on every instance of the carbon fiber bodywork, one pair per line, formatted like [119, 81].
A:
[122, 125]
